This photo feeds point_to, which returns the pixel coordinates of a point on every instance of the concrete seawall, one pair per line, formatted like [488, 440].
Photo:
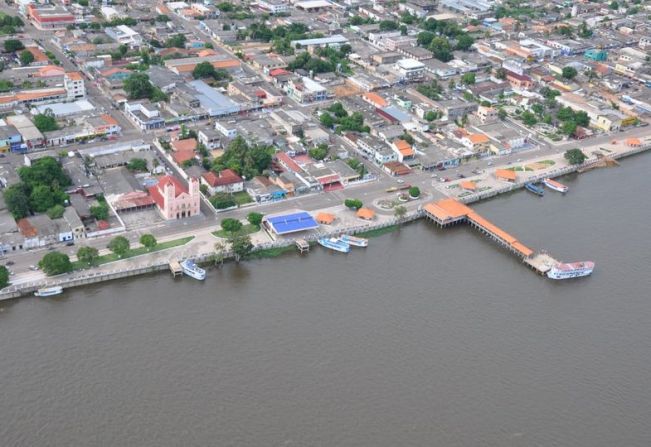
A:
[81, 279]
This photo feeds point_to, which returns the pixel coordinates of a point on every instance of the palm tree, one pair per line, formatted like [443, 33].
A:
[400, 212]
[220, 252]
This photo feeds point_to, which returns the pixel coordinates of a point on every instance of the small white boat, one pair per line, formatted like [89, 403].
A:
[193, 270]
[334, 244]
[556, 186]
[354, 241]
[49, 291]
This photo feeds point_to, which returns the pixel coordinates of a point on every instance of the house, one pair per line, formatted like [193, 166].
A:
[49, 17]
[475, 141]
[261, 189]
[174, 200]
[487, 114]
[40, 231]
[395, 168]
[410, 69]
[73, 82]
[226, 181]
[209, 138]
[403, 150]
[305, 90]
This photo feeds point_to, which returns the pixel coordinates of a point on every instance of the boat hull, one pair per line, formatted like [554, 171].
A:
[49, 291]
[191, 269]
[537, 190]
[551, 184]
[335, 244]
[569, 271]
[354, 241]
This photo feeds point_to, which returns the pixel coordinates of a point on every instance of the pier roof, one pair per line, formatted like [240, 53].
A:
[291, 223]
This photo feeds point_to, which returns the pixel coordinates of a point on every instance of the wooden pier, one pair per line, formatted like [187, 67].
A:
[175, 268]
[302, 245]
[449, 211]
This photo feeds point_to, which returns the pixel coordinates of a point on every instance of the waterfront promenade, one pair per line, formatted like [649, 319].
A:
[201, 247]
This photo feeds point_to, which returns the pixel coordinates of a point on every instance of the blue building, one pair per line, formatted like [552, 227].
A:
[10, 139]
[596, 55]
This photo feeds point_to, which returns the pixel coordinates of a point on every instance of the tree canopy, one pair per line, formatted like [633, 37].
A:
[138, 86]
[247, 160]
[569, 72]
[12, 45]
[353, 203]
[320, 152]
[575, 156]
[255, 218]
[414, 191]
[119, 245]
[231, 225]
[46, 122]
[26, 57]
[148, 241]
[87, 255]
[241, 245]
[55, 263]
[4, 277]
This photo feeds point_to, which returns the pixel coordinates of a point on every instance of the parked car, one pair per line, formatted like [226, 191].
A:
[9, 263]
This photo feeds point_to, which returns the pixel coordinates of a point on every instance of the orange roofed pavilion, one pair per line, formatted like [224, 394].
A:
[325, 218]
[366, 214]
[505, 174]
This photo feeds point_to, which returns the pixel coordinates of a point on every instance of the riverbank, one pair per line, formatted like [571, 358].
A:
[203, 252]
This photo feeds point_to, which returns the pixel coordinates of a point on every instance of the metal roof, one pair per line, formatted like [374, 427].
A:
[290, 223]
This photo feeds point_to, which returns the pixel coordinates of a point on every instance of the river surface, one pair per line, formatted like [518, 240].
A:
[428, 337]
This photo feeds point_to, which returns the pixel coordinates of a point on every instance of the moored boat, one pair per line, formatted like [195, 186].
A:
[49, 291]
[537, 190]
[571, 270]
[334, 244]
[556, 186]
[354, 241]
[193, 270]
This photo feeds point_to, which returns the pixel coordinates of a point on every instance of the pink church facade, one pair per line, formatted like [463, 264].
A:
[174, 200]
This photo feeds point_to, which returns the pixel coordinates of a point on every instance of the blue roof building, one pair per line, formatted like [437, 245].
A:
[212, 101]
[282, 224]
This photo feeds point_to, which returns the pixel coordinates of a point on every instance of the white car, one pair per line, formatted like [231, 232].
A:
[400, 181]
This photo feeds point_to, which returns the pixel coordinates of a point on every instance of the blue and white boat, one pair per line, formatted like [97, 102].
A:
[537, 190]
[335, 244]
[193, 270]
[354, 241]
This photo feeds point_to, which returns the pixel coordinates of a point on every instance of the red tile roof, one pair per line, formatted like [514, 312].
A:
[225, 177]
[157, 190]
[26, 228]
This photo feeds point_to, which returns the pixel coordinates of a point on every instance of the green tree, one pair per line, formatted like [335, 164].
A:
[148, 241]
[56, 212]
[26, 58]
[17, 200]
[320, 152]
[12, 45]
[399, 212]
[241, 245]
[41, 198]
[231, 225]
[222, 201]
[100, 211]
[137, 86]
[176, 41]
[353, 203]
[88, 255]
[119, 245]
[430, 115]
[137, 164]
[203, 70]
[4, 277]
[575, 156]
[46, 122]
[500, 73]
[255, 219]
[568, 128]
[528, 118]
[569, 72]
[468, 78]
[613, 5]
[55, 263]
[441, 48]
[464, 42]
[501, 114]
[388, 25]
[414, 191]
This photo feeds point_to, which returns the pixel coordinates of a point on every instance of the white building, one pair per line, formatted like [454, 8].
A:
[74, 84]
[124, 35]
[274, 6]
[410, 69]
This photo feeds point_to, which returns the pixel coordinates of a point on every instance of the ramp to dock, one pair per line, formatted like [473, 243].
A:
[175, 268]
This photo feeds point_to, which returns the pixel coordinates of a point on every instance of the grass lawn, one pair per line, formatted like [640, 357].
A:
[547, 162]
[77, 265]
[246, 229]
[519, 169]
[242, 198]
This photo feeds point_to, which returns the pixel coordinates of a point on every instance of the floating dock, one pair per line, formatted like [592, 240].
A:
[447, 212]
[302, 245]
[175, 268]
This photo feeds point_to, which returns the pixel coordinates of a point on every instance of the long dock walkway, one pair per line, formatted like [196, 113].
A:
[450, 211]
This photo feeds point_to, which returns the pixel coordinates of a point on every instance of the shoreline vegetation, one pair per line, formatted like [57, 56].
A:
[132, 253]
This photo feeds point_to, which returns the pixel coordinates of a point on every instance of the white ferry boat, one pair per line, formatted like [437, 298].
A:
[49, 291]
[354, 241]
[556, 186]
[193, 270]
[334, 244]
[571, 270]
